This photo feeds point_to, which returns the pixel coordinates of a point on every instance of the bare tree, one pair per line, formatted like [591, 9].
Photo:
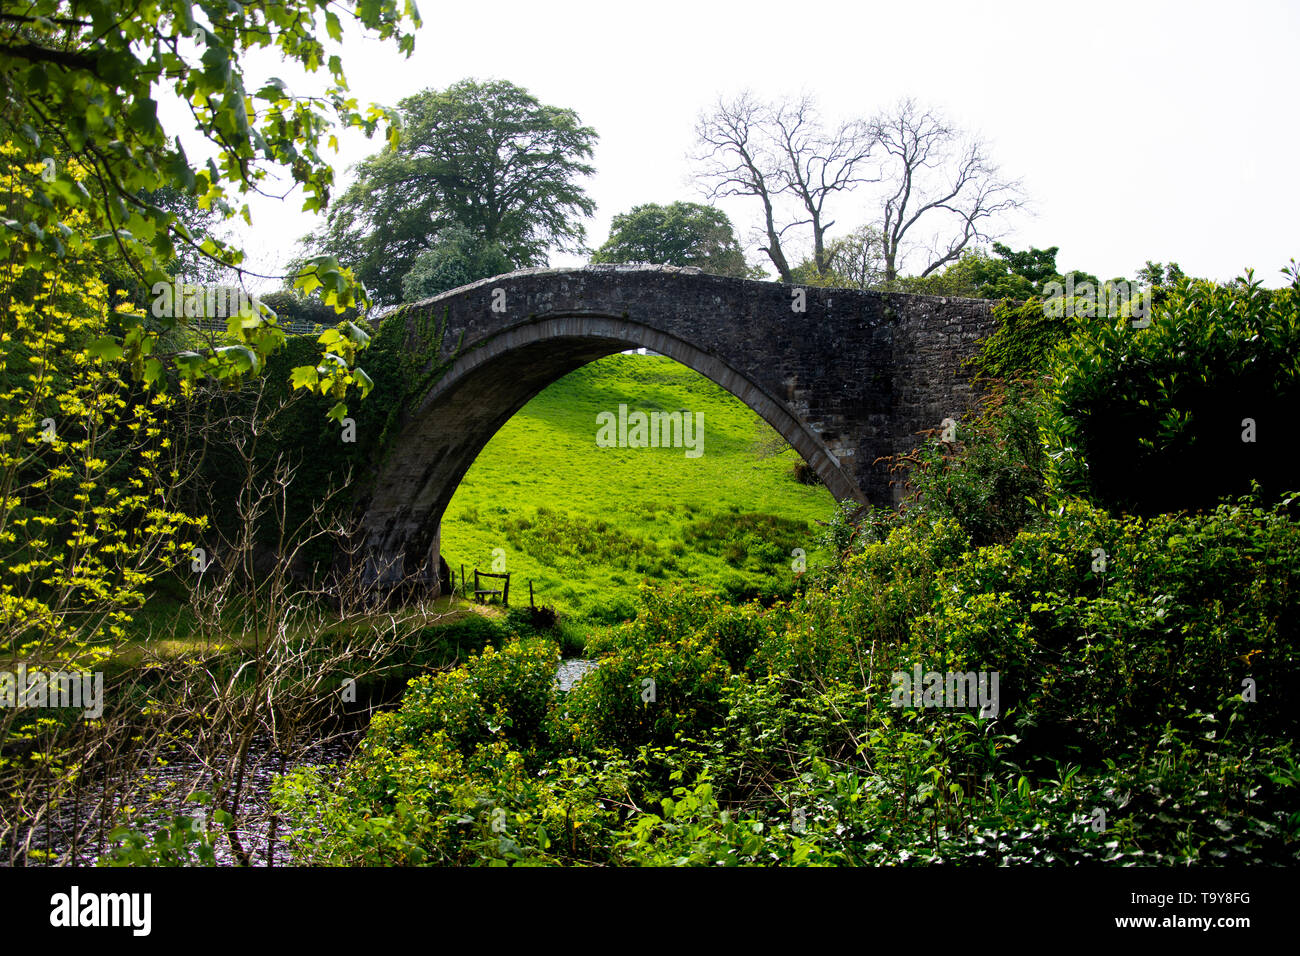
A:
[941, 177]
[777, 150]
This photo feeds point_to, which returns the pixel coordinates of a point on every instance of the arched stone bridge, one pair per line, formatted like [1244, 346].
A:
[847, 379]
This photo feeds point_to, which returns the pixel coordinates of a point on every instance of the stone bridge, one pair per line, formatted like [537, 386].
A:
[845, 377]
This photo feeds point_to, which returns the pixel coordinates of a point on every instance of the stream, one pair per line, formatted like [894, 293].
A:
[179, 776]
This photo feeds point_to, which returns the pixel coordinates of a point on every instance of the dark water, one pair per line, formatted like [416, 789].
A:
[161, 791]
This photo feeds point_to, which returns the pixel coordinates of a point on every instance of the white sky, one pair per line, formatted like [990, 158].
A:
[1141, 130]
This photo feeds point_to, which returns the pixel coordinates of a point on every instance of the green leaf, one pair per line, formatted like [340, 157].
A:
[105, 347]
[244, 358]
[153, 370]
[304, 376]
[358, 336]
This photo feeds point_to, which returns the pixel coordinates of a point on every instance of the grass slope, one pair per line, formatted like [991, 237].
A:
[588, 524]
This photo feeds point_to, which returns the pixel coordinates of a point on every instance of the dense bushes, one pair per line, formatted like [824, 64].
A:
[1104, 627]
[1156, 419]
[1117, 677]
[1022, 345]
[991, 478]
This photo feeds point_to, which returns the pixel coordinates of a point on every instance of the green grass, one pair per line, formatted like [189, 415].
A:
[588, 524]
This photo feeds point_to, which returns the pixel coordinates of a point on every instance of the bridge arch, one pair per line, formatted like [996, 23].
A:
[845, 377]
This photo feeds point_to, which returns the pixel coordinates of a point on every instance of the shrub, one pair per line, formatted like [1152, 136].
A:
[506, 693]
[652, 687]
[1023, 343]
[992, 479]
[1153, 419]
[1104, 628]
[737, 632]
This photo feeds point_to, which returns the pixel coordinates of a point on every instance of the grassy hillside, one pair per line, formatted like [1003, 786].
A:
[588, 524]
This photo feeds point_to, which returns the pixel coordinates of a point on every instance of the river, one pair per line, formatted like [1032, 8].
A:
[162, 789]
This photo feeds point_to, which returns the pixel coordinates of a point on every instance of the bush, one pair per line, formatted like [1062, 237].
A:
[772, 738]
[1153, 419]
[530, 620]
[658, 678]
[507, 693]
[737, 632]
[992, 479]
[1105, 628]
[804, 473]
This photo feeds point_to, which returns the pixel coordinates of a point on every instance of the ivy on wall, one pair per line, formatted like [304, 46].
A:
[404, 359]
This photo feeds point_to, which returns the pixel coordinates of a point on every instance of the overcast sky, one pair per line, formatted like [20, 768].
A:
[1141, 130]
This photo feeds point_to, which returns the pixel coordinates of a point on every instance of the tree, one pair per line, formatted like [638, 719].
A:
[459, 259]
[88, 514]
[486, 157]
[777, 151]
[1155, 274]
[937, 177]
[850, 262]
[1159, 279]
[963, 278]
[83, 83]
[680, 234]
[857, 257]
[1006, 274]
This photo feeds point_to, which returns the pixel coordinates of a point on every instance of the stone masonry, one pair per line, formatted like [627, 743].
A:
[851, 377]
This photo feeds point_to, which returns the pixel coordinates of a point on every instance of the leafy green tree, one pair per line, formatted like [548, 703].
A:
[85, 83]
[1006, 274]
[1017, 275]
[852, 261]
[487, 157]
[680, 234]
[963, 278]
[459, 259]
[1160, 279]
[1158, 274]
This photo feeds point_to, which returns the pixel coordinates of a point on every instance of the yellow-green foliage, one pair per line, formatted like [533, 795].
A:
[85, 514]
